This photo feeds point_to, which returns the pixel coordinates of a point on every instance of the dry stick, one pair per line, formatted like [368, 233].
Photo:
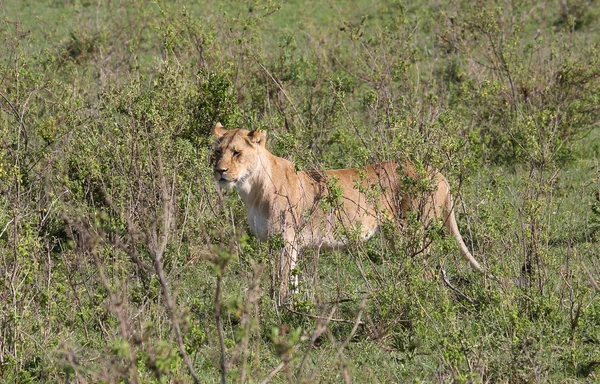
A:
[321, 327]
[274, 372]
[174, 319]
[252, 298]
[220, 328]
[462, 202]
[317, 317]
[88, 240]
[341, 348]
[341, 357]
[118, 311]
[130, 249]
[185, 216]
[598, 173]
[157, 245]
[6, 226]
[357, 322]
[590, 276]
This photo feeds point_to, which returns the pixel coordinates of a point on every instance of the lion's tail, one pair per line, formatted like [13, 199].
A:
[464, 251]
[453, 228]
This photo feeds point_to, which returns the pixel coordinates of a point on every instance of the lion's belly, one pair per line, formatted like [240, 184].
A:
[317, 232]
[318, 240]
[325, 234]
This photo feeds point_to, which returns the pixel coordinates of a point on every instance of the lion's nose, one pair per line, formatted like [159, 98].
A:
[220, 170]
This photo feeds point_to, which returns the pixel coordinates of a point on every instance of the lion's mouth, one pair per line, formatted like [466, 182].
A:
[225, 181]
[223, 177]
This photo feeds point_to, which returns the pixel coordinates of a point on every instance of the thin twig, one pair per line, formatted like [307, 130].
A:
[253, 296]
[590, 276]
[340, 352]
[282, 91]
[6, 226]
[317, 317]
[357, 322]
[274, 372]
[157, 243]
[445, 280]
[220, 329]
[321, 326]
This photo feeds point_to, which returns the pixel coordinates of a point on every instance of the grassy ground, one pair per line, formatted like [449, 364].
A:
[120, 262]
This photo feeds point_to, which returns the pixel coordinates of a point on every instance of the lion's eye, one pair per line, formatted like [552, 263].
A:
[235, 153]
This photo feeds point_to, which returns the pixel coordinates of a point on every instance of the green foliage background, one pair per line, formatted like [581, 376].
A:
[106, 111]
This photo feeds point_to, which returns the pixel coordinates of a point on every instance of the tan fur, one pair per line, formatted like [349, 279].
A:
[282, 200]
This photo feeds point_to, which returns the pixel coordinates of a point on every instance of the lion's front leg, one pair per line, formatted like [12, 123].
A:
[285, 265]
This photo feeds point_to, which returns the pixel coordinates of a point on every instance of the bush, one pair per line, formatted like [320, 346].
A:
[120, 261]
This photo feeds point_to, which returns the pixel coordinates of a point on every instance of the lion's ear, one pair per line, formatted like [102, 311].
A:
[258, 137]
[219, 130]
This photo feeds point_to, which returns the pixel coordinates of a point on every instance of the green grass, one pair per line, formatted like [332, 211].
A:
[105, 105]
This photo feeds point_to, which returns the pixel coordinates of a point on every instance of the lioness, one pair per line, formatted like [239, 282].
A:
[282, 200]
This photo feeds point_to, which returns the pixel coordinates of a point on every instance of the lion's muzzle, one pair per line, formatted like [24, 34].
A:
[224, 180]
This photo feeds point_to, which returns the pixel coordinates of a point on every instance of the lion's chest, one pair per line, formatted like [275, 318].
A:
[258, 220]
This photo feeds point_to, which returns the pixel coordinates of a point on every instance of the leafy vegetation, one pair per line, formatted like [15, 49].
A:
[120, 260]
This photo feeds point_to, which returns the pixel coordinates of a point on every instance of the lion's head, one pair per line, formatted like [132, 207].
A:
[236, 155]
